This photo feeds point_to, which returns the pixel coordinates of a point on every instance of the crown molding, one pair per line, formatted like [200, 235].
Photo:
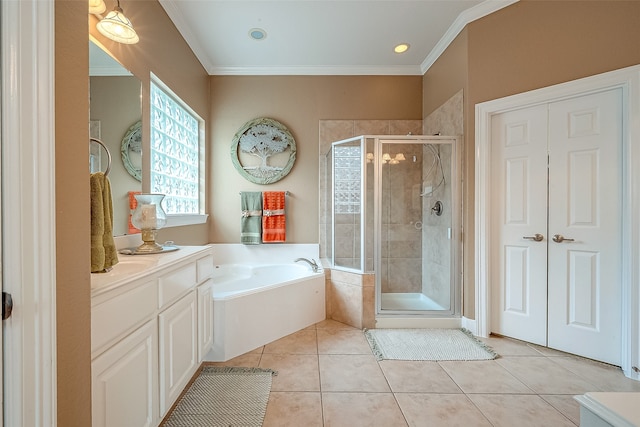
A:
[406, 70]
[181, 25]
[479, 11]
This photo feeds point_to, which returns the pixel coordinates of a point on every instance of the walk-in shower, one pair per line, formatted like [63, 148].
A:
[395, 214]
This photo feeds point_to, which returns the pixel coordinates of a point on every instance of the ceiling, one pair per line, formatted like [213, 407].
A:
[322, 37]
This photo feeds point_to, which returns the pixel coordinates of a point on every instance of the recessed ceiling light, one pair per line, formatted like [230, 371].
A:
[401, 48]
[257, 34]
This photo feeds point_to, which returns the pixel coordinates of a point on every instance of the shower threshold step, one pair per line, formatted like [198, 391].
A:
[410, 301]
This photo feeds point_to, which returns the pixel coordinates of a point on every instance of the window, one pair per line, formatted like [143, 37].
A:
[347, 177]
[176, 154]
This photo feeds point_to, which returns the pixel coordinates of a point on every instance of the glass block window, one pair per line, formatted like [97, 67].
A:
[347, 164]
[175, 153]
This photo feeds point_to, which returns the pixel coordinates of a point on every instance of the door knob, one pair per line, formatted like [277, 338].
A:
[536, 237]
[559, 238]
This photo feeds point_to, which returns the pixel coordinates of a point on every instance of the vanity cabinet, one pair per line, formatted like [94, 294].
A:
[178, 349]
[205, 318]
[151, 327]
[125, 381]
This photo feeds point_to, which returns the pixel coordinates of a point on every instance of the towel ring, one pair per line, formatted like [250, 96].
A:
[97, 141]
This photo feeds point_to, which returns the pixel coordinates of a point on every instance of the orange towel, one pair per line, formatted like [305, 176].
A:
[133, 203]
[273, 218]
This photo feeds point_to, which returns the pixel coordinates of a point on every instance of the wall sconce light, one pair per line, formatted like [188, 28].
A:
[392, 160]
[369, 157]
[149, 217]
[117, 27]
[97, 7]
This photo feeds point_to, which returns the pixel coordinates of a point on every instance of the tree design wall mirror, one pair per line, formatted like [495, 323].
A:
[263, 151]
[131, 150]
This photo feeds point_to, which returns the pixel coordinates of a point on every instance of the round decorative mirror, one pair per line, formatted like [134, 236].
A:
[263, 151]
[131, 150]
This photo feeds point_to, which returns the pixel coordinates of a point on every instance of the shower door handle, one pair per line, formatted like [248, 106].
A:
[536, 237]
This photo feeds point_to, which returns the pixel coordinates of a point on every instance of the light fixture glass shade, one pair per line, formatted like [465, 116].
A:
[149, 217]
[117, 27]
[399, 156]
[97, 7]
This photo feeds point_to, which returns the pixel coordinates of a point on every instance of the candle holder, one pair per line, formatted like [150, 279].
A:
[149, 217]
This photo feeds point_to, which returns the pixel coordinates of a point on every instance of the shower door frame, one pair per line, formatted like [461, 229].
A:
[363, 204]
[455, 273]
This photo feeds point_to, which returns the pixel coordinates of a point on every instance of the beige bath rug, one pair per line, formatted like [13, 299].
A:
[427, 344]
[223, 396]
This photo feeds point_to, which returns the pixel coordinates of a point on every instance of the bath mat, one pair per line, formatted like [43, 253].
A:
[223, 396]
[427, 344]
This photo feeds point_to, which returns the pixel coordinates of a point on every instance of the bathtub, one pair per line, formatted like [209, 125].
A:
[255, 304]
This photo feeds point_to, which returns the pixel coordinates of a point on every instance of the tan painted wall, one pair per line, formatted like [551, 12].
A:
[299, 102]
[529, 45]
[73, 315]
[161, 50]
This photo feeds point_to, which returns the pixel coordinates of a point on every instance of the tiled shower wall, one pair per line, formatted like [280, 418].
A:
[401, 249]
[436, 245]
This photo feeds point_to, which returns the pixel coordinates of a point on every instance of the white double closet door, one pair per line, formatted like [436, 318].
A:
[556, 233]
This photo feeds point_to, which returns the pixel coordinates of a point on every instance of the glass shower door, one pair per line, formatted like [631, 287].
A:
[415, 223]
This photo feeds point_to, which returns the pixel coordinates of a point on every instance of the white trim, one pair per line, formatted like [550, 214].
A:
[29, 212]
[183, 27]
[628, 80]
[400, 70]
[479, 11]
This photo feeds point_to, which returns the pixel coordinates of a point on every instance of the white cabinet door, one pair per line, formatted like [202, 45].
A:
[125, 381]
[178, 349]
[205, 318]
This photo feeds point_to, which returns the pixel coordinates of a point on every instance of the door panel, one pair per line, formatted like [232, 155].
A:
[519, 182]
[563, 292]
[584, 205]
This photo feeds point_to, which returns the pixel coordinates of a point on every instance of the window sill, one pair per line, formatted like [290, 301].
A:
[178, 220]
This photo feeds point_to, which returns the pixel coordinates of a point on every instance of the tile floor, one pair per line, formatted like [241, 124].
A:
[327, 376]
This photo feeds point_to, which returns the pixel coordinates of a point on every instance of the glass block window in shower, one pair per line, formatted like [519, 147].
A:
[347, 179]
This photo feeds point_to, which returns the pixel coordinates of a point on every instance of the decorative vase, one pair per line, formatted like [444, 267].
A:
[149, 217]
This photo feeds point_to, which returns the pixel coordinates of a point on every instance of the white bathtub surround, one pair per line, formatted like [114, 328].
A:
[260, 295]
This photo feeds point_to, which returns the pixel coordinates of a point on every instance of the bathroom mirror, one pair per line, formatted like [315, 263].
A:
[115, 117]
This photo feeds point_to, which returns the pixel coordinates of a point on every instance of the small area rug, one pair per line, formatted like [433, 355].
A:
[427, 344]
[223, 396]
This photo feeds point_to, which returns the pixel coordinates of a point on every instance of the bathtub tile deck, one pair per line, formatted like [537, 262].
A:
[327, 376]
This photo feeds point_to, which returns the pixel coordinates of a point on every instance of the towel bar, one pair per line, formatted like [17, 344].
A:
[97, 141]
[286, 193]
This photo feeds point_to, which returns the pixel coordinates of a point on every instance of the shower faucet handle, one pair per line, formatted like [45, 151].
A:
[536, 237]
